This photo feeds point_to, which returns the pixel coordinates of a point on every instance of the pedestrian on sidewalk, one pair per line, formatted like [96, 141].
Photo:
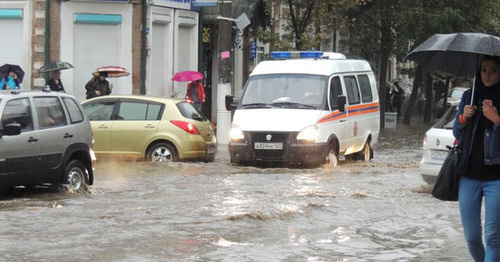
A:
[196, 93]
[477, 127]
[98, 86]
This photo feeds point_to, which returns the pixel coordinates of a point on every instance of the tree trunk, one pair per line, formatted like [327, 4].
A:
[413, 96]
[385, 48]
[428, 98]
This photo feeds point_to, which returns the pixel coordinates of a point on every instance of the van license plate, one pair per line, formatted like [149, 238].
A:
[268, 146]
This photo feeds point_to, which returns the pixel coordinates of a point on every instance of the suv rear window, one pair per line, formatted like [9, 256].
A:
[75, 114]
[188, 111]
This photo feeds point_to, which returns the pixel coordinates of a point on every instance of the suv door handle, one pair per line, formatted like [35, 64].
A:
[32, 139]
[68, 135]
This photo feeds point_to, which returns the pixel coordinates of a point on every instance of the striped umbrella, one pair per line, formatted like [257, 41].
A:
[113, 71]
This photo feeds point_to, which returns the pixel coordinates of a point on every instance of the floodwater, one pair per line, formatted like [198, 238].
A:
[376, 211]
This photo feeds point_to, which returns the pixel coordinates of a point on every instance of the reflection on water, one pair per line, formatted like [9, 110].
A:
[137, 211]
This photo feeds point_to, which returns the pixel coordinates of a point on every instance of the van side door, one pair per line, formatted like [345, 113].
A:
[335, 120]
[354, 112]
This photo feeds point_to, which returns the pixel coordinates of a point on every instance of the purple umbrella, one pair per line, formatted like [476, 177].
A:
[4, 71]
[187, 76]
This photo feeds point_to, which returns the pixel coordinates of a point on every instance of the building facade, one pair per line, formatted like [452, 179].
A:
[151, 39]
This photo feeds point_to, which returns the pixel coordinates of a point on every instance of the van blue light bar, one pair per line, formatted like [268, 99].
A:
[280, 55]
[311, 54]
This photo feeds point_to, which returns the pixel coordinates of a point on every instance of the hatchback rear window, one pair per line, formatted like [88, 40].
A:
[188, 111]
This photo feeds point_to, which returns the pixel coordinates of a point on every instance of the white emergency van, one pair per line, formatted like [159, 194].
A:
[314, 109]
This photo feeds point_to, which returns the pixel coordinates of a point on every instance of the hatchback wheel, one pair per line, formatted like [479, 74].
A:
[162, 152]
[74, 175]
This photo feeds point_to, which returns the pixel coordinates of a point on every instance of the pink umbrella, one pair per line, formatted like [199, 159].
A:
[187, 76]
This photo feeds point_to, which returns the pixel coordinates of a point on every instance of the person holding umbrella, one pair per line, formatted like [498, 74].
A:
[10, 81]
[477, 127]
[98, 85]
[54, 82]
[196, 93]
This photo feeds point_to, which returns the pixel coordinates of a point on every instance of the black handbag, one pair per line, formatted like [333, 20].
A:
[446, 186]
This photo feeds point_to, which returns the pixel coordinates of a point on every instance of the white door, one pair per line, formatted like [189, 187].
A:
[185, 52]
[95, 45]
[159, 61]
[11, 43]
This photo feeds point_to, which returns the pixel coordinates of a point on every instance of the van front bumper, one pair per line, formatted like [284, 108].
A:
[314, 153]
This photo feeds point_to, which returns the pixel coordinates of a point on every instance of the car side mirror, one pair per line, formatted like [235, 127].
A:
[12, 129]
[230, 103]
[341, 102]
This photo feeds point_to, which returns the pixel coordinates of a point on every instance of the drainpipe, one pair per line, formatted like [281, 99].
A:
[144, 47]
[47, 33]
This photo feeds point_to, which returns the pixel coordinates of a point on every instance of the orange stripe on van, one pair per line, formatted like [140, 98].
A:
[331, 117]
[352, 110]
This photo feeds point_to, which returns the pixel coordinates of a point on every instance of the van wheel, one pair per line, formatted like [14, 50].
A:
[74, 175]
[367, 153]
[162, 152]
[332, 158]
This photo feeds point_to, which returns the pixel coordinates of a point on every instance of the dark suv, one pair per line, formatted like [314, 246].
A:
[44, 139]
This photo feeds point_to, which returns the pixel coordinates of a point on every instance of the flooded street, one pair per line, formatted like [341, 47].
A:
[376, 211]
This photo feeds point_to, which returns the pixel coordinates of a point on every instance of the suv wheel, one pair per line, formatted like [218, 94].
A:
[74, 175]
[162, 152]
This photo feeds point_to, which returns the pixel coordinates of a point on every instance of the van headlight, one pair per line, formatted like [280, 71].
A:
[236, 133]
[309, 134]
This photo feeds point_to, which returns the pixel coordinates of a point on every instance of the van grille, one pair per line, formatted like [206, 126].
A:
[276, 137]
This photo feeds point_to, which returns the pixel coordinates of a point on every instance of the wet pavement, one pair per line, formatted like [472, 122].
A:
[359, 211]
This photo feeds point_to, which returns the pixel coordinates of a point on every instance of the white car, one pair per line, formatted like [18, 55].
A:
[436, 140]
[454, 96]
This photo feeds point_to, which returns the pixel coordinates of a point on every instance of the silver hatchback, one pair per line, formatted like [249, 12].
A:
[44, 139]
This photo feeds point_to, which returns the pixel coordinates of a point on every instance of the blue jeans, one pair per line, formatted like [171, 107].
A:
[470, 197]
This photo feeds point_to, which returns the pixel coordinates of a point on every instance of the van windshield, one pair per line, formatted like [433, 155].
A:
[285, 90]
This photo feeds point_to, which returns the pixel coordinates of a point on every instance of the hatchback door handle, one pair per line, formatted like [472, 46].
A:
[68, 135]
[149, 126]
[103, 126]
[32, 139]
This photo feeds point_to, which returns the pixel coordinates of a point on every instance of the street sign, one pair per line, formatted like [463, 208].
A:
[253, 49]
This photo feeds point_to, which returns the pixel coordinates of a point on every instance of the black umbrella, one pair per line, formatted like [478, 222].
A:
[457, 53]
[4, 70]
[53, 66]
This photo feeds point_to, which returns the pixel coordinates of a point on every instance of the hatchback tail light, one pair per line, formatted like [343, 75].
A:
[455, 142]
[186, 126]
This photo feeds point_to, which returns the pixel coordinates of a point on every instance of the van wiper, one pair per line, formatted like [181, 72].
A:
[294, 105]
[257, 105]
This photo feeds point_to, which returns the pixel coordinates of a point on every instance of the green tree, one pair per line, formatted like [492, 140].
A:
[380, 29]
[301, 19]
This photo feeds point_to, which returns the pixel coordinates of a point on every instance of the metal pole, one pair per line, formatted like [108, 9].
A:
[47, 34]
[144, 47]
